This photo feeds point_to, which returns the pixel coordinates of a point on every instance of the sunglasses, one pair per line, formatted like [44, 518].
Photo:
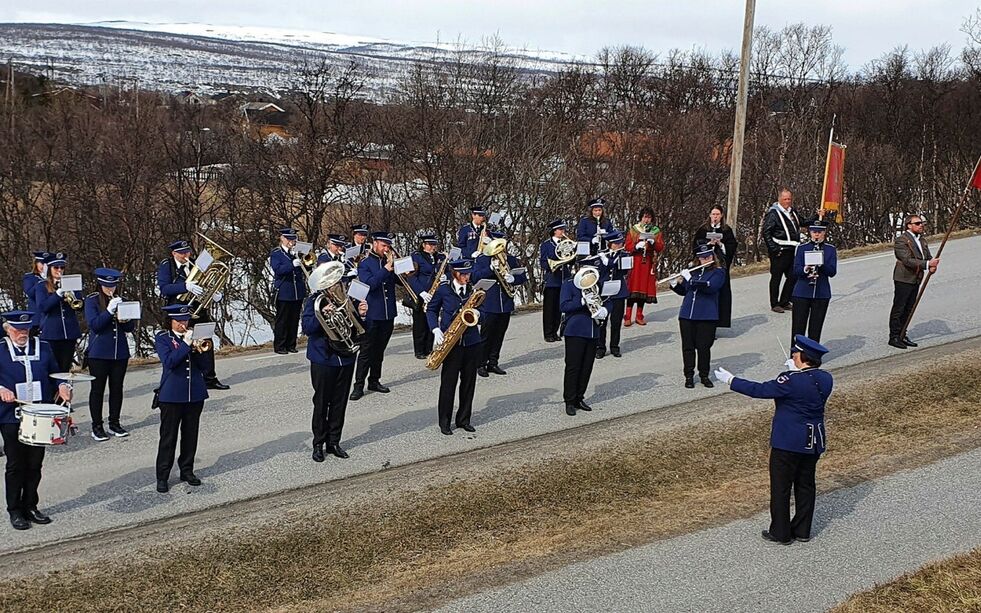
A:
[916, 223]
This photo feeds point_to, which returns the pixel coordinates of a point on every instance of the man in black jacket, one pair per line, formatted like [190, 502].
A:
[781, 232]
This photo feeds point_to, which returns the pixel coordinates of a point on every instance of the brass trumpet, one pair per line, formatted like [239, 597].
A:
[203, 345]
[72, 300]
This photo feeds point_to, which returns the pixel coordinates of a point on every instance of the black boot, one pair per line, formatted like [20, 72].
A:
[357, 392]
[707, 382]
[318, 453]
[690, 382]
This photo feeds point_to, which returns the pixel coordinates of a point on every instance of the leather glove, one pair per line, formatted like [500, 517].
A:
[602, 313]
[296, 262]
[114, 304]
[61, 292]
[605, 259]
[437, 336]
[426, 297]
[686, 274]
[194, 288]
[217, 297]
[723, 376]
[509, 278]
[789, 364]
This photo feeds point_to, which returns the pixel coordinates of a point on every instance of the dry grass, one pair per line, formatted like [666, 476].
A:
[951, 586]
[424, 548]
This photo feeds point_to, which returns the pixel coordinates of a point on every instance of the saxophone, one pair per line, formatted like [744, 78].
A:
[466, 317]
[439, 275]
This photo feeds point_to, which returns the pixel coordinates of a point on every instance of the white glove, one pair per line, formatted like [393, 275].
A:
[485, 240]
[495, 264]
[602, 313]
[509, 278]
[640, 246]
[790, 365]
[426, 297]
[114, 304]
[194, 288]
[723, 376]
[186, 337]
[605, 259]
[296, 262]
[217, 296]
[61, 292]
[673, 281]
[475, 254]
[437, 336]
[601, 231]
[686, 274]
[351, 273]
[596, 239]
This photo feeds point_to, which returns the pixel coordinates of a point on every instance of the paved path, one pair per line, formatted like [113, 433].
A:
[255, 438]
[864, 535]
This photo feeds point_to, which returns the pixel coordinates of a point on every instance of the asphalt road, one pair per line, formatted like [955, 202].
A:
[255, 438]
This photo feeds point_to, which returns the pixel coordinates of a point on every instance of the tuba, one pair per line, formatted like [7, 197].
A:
[213, 280]
[565, 252]
[466, 317]
[497, 250]
[334, 310]
[587, 279]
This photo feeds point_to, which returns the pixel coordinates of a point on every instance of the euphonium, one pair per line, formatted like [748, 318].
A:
[565, 252]
[213, 280]
[466, 317]
[587, 280]
[497, 249]
[334, 309]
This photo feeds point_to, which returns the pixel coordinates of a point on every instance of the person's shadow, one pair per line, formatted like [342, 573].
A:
[932, 328]
[618, 388]
[744, 324]
[843, 346]
[838, 505]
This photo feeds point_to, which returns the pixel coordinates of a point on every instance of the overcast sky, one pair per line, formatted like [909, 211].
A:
[865, 28]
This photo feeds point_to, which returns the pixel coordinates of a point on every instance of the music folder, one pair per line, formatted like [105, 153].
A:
[610, 288]
[495, 218]
[128, 311]
[352, 252]
[485, 284]
[204, 260]
[813, 258]
[582, 248]
[404, 266]
[303, 248]
[358, 290]
[203, 330]
[71, 283]
[713, 236]
[626, 262]
[455, 253]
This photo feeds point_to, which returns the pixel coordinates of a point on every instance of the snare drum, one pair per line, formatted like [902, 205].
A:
[44, 424]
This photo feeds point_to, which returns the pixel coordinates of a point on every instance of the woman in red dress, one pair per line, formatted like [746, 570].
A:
[644, 241]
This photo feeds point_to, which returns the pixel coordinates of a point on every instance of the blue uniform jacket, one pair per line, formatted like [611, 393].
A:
[381, 295]
[290, 283]
[468, 239]
[57, 320]
[170, 280]
[822, 289]
[42, 362]
[588, 227]
[798, 422]
[318, 349]
[181, 380]
[496, 301]
[611, 271]
[30, 282]
[552, 279]
[701, 294]
[107, 337]
[443, 308]
[577, 319]
[426, 267]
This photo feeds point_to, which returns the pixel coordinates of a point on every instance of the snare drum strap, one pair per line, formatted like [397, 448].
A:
[30, 355]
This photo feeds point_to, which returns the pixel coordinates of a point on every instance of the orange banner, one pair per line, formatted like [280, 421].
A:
[834, 177]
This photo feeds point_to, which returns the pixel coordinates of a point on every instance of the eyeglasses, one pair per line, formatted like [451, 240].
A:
[916, 223]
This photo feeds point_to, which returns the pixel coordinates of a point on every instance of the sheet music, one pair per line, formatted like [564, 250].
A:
[713, 236]
[352, 252]
[71, 283]
[358, 290]
[485, 284]
[495, 218]
[610, 288]
[29, 392]
[303, 248]
[204, 260]
[813, 258]
[626, 263]
[203, 330]
[582, 248]
[455, 253]
[128, 311]
[404, 265]
[518, 271]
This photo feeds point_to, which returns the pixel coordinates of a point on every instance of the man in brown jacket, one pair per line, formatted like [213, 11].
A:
[912, 259]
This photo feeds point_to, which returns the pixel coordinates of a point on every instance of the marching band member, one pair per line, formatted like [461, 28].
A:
[291, 288]
[172, 281]
[58, 320]
[582, 330]
[595, 226]
[331, 373]
[643, 276]
[462, 361]
[24, 361]
[473, 236]
[611, 271]
[913, 258]
[698, 314]
[39, 270]
[336, 243]
[725, 252]
[427, 263]
[812, 291]
[108, 352]
[377, 272]
[182, 394]
[495, 312]
[551, 316]
[360, 233]
[781, 232]
[797, 436]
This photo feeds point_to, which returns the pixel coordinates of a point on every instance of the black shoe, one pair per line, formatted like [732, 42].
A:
[282, 351]
[99, 433]
[215, 384]
[419, 356]
[468, 428]
[582, 406]
[162, 486]
[378, 387]
[802, 539]
[600, 353]
[689, 382]
[318, 453]
[769, 537]
[551, 339]
[37, 517]
[898, 344]
[909, 343]
[482, 372]
[446, 430]
[294, 350]
[707, 382]
[615, 352]
[357, 393]
[788, 306]
[191, 479]
[777, 309]
[497, 370]
[118, 431]
[335, 450]
[570, 408]
[18, 521]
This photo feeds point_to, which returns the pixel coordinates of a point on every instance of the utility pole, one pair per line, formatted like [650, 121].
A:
[739, 129]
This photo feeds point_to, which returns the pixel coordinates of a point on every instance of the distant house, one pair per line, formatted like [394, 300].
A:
[189, 97]
[265, 119]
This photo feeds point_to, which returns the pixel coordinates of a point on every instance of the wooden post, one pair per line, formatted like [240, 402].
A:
[739, 128]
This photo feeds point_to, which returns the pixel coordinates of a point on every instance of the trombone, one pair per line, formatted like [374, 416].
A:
[392, 256]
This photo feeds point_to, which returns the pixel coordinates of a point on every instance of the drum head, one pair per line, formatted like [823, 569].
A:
[44, 410]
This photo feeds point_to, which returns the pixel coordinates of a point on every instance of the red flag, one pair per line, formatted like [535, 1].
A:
[976, 179]
[834, 176]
